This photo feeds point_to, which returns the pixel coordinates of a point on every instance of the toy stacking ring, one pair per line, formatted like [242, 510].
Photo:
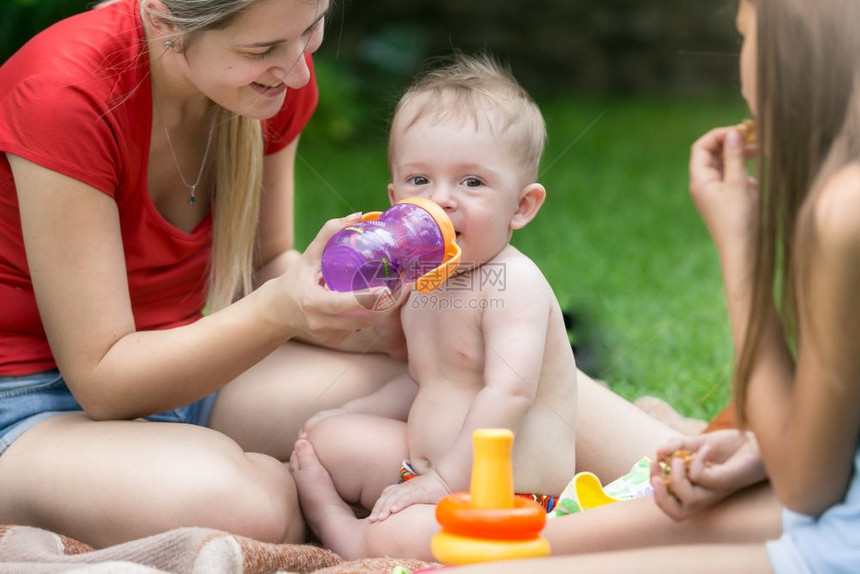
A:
[454, 549]
[525, 520]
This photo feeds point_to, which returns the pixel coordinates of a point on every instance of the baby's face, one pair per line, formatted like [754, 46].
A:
[469, 171]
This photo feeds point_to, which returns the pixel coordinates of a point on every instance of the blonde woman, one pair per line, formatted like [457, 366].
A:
[149, 151]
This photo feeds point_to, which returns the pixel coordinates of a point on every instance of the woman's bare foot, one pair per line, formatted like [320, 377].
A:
[330, 518]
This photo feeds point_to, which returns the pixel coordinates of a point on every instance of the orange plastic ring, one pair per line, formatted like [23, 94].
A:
[525, 520]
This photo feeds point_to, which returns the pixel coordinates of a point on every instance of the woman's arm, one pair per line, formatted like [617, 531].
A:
[74, 249]
[277, 252]
[808, 425]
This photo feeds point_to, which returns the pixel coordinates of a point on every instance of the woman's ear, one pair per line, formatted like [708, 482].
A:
[531, 200]
[155, 17]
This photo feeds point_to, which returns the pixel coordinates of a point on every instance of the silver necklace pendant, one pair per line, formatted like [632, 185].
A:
[192, 187]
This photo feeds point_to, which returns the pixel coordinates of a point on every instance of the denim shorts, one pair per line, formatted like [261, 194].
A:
[27, 400]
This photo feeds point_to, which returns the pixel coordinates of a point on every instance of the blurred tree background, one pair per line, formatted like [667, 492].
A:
[373, 47]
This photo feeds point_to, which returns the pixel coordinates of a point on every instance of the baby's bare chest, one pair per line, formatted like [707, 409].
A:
[444, 332]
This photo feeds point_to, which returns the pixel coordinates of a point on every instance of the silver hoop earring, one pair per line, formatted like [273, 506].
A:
[168, 45]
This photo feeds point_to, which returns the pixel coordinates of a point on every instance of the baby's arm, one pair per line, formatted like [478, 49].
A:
[514, 345]
[393, 400]
[514, 334]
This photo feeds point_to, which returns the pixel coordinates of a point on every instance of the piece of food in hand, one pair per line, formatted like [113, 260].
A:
[666, 466]
[749, 132]
[666, 463]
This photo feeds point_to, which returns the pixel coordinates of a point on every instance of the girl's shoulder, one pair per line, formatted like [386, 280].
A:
[836, 212]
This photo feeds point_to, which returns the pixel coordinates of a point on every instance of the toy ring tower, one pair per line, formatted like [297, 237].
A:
[489, 522]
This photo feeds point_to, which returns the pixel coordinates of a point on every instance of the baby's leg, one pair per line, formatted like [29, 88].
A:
[406, 534]
[362, 454]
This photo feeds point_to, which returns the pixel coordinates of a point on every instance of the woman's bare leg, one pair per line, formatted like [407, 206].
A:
[611, 433]
[264, 409]
[714, 559]
[752, 515]
[109, 482]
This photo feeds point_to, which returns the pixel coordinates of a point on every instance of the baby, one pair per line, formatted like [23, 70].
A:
[486, 349]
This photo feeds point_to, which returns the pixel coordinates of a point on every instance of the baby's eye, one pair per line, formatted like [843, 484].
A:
[418, 180]
[472, 182]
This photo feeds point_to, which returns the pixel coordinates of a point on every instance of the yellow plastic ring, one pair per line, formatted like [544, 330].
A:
[453, 549]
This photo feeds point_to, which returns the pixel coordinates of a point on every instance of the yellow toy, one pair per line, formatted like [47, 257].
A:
[489, 522]
[590, 492]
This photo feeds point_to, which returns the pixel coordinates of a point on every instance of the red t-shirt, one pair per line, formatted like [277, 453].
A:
[77, 100]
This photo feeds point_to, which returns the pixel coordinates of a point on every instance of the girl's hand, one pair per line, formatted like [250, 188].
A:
[724, 193]
[311, 312]
[723, 463]
[428, 488]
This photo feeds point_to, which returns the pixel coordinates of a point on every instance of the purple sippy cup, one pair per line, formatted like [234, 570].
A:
[412, 240]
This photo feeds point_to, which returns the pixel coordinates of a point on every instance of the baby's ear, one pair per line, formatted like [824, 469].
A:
[531, 200]
[391, 193]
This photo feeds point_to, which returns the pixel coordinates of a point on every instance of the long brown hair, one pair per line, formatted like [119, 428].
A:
[808, 101]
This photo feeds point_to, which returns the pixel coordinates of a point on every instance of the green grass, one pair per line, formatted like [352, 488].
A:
[618, 239]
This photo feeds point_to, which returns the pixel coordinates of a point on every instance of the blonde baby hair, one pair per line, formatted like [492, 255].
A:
[470, 87]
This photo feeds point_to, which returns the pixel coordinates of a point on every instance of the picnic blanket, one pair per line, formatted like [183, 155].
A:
[25, 550]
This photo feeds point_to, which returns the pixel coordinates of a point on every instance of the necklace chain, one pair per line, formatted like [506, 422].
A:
[192, 188]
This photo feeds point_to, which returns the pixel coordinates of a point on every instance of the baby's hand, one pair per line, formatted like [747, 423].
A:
[425, 489]
[309, 424]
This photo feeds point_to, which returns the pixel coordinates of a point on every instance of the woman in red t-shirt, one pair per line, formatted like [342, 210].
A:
[147, 163]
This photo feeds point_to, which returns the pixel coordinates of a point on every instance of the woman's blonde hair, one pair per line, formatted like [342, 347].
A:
[808, 99]
[467, 86]
[237, 178]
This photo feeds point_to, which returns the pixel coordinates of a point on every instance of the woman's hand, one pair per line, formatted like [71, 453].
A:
[428, 488]
[310, 311]
[723, 463]
[385, 336]
[724, 193]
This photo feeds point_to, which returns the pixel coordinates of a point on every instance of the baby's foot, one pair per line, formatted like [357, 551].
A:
[325, 512]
